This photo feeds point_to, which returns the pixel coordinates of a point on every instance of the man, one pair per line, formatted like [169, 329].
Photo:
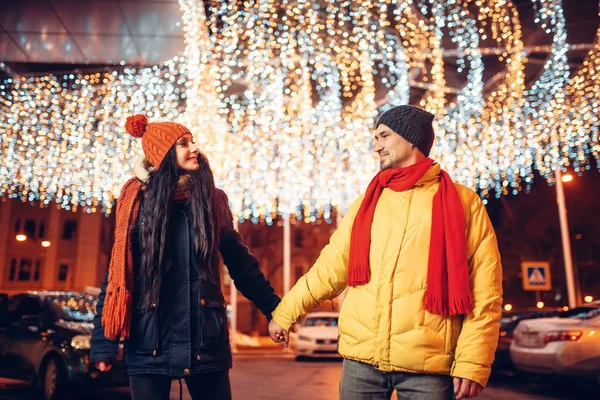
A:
[421, 261]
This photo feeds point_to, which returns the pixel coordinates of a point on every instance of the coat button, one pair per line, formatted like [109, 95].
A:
[376, 365]
[202, 302]
[186, 371]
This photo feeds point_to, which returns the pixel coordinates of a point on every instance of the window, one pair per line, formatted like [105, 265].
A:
[299, 239]
[25, 269]
[13, 306]
[36, 271]
[18, 225]
[29, 228]
[63, 270]
[42, 230]
[69, 229]
[20, 306]
[13, 269]
[321, 321]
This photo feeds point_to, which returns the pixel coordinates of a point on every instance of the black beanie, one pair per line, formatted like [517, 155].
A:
[412, 123]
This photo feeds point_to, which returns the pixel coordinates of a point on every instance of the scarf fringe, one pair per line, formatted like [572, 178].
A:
[359, 275]
[116, 316]
[462, 305]
[459, 306]
[435, 305]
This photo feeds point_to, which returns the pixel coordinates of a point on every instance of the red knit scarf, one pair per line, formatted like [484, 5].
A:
[116, 314]
[448, 291]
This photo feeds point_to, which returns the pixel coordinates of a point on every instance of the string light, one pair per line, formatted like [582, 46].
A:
[282, 97]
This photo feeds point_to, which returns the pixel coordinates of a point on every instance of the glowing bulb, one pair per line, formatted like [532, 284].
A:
[540, 304]
[508, 307]
[588, 299]
[567, 178]
[46, 243]
[21, 238]
[565, 308]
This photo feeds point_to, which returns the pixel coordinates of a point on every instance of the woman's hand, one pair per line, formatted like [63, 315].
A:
[278, 334]
[103, 366]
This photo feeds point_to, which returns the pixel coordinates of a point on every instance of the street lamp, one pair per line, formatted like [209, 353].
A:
[567, 178]
[540, 304]
[564, 233]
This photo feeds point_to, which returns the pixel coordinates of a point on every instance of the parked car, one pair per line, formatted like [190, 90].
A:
[559, 346]
[508, 323]
[510, 320]
[45, 339]
[317, 335]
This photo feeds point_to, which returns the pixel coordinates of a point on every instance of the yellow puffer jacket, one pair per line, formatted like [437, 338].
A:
[383, 323]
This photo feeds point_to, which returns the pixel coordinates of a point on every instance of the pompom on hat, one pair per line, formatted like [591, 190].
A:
[157, 137]
[136, 125]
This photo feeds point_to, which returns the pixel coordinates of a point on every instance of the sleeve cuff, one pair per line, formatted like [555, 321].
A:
[281, 320]
[472, 372]
[103, 357]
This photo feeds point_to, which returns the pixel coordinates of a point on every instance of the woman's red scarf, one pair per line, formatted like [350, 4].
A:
[448, 291]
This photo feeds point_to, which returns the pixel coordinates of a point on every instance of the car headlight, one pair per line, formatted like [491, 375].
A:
[304, 338]
[81, 342]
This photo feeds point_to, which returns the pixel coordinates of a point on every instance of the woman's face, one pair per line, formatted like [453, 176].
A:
[187, 153]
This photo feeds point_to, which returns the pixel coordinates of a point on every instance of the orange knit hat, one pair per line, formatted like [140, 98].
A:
[157, 137]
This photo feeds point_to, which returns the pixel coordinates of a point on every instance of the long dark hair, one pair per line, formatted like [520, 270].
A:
[154, 221]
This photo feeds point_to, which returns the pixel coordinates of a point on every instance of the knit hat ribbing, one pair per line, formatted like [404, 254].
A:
[157, 137]
[412, 123]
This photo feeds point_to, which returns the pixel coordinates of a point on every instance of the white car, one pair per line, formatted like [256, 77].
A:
[559, 346]
[317, 335]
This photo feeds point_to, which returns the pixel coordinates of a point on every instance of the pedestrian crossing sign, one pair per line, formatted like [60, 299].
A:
[536, 275]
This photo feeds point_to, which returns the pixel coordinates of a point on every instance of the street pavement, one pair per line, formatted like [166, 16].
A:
[278, 376]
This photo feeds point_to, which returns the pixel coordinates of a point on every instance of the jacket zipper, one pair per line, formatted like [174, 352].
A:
[199, 318]
[157, 316]
[451, 334]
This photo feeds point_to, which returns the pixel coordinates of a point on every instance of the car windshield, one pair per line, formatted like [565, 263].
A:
[587, 315]
[73, 307]
[578, 312]
[321, 321]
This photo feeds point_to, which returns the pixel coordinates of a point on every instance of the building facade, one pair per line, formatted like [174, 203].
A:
[55, 249]
[52, 248]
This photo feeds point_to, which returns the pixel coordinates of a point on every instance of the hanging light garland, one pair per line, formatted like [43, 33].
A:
[283, 95]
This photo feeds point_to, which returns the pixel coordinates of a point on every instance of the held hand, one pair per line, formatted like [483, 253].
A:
[466, 389]
[278, 334]
[103, 366]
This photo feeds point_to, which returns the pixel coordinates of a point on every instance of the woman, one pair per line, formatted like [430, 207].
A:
[162, 293]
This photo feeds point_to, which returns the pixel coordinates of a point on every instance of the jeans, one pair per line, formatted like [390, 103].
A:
[364, 382]
[205, 386]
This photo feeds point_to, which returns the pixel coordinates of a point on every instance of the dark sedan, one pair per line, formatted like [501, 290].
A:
[45, 339]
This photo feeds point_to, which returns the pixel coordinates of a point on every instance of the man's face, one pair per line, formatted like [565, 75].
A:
[394, 151]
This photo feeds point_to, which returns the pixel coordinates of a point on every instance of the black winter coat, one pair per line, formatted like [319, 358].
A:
[186, 333]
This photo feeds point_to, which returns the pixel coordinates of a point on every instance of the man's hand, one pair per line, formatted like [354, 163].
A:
[278, 334]
[103, 366]
[466, 389]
